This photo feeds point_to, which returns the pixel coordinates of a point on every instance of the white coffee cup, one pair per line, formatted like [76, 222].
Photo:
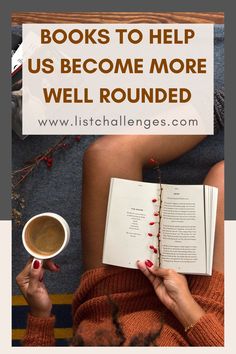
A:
[45, 235]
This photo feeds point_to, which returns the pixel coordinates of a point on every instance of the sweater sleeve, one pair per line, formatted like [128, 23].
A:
[207, 332]
[39, 332]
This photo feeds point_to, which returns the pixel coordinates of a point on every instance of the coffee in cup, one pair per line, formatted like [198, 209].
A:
[45, 235]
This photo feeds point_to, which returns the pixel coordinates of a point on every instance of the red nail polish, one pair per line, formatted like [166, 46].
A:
[36, 264]
[148, 263]
[154, 200]
[149, 234]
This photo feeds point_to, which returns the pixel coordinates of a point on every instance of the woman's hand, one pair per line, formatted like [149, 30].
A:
[172, 290]
[30, 282]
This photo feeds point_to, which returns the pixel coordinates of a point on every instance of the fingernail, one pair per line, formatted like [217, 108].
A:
[36, 264]
[148, 263]
[41, 279]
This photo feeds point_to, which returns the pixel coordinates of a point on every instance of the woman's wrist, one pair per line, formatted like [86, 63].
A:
[40, 314]
[188, 311]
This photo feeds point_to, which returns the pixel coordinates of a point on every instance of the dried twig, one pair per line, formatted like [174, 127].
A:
[18, 176]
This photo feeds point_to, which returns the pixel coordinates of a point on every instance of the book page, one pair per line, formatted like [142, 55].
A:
[183, 241]
[211, 196]
[129, 235]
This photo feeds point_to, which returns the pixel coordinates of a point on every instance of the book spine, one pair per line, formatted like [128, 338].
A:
[156, 244]
[159, 228]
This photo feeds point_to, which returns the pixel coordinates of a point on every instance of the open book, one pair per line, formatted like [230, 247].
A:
[171, 225]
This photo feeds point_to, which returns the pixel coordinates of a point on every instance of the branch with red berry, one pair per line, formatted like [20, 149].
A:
[20, 175]
[156, 166]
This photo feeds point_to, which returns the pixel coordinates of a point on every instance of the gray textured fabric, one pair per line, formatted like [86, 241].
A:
[59, 189]
[219, 110]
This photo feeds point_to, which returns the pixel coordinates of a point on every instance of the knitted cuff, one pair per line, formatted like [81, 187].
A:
[207, 332]
[39, 331]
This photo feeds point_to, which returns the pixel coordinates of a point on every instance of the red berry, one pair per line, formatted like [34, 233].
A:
[49, 163]
[154, 200]
[152, 161]
[149, 234]
[156, 214]
[65, 146]
[151, 247]
[151, 223]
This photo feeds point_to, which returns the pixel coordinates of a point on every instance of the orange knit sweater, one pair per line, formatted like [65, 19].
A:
[140, 311]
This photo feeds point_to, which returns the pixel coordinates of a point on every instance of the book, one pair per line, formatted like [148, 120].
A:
[171, 225]
[17, 60]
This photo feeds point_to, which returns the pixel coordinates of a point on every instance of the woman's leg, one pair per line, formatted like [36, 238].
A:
[215, 177]
[118, 156]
